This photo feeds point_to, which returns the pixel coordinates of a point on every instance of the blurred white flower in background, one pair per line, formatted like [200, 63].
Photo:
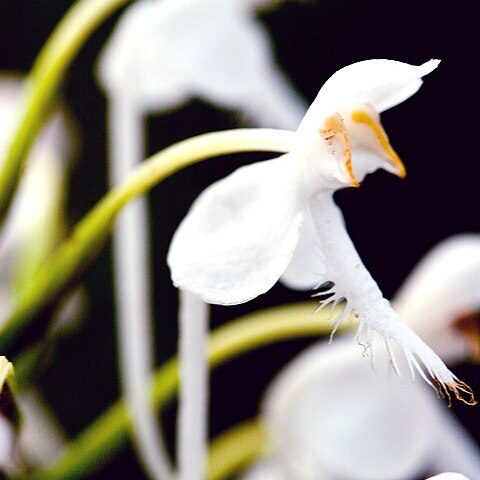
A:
[34, 226]
[8, 422]
[449, 476]
[330, 415]
[169, 51]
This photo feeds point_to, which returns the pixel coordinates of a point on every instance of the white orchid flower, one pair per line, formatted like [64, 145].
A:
[329, 415]
[33, 227]
[33, 224]
[216, 50]
[440, 299]
[162, 53]
[242, 232]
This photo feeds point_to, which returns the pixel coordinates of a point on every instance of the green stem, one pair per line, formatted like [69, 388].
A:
[235, 449]
[100, 441]
[43, 81]
[92, 232]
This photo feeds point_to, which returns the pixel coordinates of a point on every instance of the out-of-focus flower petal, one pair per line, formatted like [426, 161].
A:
[164, 66]
[449, 476]
[9, 419]
[264, 470]
[443, 287]
[41, 438]
[329, 412]
[7, 442]
[35, 221]
[331, 416]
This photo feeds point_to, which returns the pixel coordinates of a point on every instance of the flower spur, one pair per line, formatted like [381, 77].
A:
[312, 436]
[242, 232]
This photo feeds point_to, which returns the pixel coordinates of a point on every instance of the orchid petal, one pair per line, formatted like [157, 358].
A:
[39, 424]
[442, 288]
[359, 141]
[308, 267]
[35, 220]
[9, 419]
[165, 67]
[379, 83]
[453, 449]
[240, 234]
[317, 414]
[264, 470]
[130, 57]
[449, 476]
[369, 142]
[326, 400]
[7, 442]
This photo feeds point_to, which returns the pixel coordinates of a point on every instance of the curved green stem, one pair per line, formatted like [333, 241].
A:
[100, 441]
[235, 449]
[91, 233]
[43, 81]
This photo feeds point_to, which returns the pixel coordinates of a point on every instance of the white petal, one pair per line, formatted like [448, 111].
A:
[380, 83]
[330, 416]
[39, 424]
[33, 220]
[453, 449]
[166, 52]
[265, 470]
[240, 234]
[369, 143]
[441, 288]
[7, 431]
[449, 476]
[130, 60]
[7, 443]
[307, 268]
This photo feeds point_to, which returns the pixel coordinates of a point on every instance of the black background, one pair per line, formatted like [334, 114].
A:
[392, 222]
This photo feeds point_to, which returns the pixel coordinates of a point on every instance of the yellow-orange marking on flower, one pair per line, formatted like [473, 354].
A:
[361, 116]
[335, 129]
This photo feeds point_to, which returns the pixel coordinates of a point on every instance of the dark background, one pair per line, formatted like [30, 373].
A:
[392, 222]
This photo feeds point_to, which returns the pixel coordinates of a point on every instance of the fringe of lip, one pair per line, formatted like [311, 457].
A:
[327, 297]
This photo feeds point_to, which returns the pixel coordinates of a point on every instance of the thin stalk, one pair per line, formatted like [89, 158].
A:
[74, 29]
[80, 249]
[99, 442]
[192, 439]
[132, 276]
